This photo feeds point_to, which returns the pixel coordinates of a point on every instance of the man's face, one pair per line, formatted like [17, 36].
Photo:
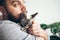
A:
[15, 7]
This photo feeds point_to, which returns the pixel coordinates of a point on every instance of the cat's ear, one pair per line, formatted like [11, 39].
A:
[3, 12]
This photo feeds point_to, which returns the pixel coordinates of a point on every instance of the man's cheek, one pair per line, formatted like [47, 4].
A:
[16, 13]
[18, 9]
[15, 10]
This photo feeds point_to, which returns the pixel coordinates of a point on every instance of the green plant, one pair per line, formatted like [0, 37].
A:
[55, 27]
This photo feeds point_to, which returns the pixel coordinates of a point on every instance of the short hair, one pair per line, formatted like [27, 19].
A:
[2, 2]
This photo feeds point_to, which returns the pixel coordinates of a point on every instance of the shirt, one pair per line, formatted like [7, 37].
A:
[11, 31]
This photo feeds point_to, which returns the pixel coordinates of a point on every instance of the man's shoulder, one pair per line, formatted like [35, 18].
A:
[8, 22]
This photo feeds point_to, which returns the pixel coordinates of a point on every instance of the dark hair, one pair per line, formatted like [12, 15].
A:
[2, 2]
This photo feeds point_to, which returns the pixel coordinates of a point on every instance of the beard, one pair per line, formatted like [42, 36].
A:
[22, 19]
[12, 18]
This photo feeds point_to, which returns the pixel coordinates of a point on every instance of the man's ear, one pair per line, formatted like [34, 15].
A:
[3, 12]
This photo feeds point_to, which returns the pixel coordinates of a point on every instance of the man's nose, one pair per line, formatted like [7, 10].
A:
[23, 8]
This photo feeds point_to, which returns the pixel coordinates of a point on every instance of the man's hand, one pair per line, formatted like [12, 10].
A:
[37, 31]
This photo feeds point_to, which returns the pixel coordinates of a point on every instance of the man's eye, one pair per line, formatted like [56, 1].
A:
[16, 4]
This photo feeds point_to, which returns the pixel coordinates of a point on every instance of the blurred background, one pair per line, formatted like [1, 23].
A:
[49, 10]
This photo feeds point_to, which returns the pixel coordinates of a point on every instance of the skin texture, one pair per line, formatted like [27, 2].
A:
[15, 8]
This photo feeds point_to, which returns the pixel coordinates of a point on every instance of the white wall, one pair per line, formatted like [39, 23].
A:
[49, 10]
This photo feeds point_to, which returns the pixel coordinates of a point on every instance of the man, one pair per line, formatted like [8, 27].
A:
[10, 30]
